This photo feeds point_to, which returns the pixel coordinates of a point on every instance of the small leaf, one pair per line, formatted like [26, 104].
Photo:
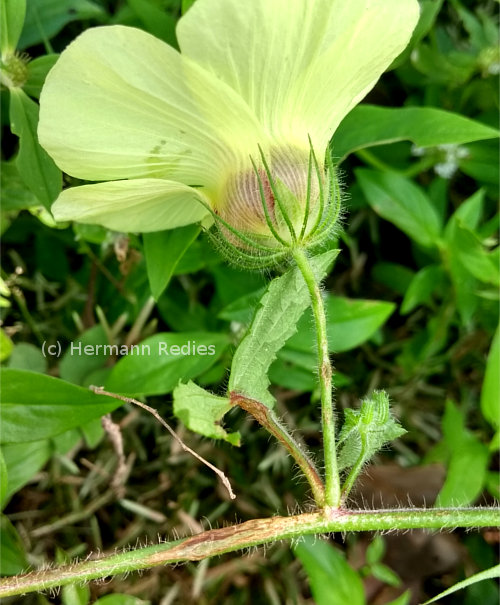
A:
[12, 556]
[12, 13]
[6, 345]
[26, 356]
[490, 394]
[35, 406]
[333, 581]
[158, 363]
[37, 72]
[368, 125]
[488, 574]
[366, 430]
[23, 461]
[421, 288]
[163, 251]
[202, 412]
[286, 298]
[375, 550]
[36, 168]
[400, 201]
[468, 461]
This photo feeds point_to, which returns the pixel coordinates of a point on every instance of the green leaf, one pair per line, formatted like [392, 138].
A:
[490, 393]
[375, 550]
[369, 125]
[366, 430]
[403, 599]
[35, 406]
[470, 211]
[385, 574]
[163, 251]
[120, 599]
[37, 72]
[12, 13]
[75, 594]
[422, 287]
[15, 193]
[332, 579]
[26, 356]
[488, 574]
[400, 201]
[23, 461]
[45, 18]
[393, 275]
[4, 478]
[76, 365]
[468, 462]
[12, 556]
[6, 345]
[161, 361]
[202, 411]
[36, 168]
[156, 20]
[350, 322]
[275, 321]
[468, 250]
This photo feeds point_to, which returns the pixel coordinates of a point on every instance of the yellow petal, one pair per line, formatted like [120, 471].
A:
[134, 205]
[301, 65]
[121, 104]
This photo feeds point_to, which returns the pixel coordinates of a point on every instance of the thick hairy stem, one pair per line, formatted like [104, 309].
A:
[251, 533]
[332, 479]
[267, 418]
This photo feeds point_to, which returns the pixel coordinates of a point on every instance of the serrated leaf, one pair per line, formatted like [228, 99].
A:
[366, 430]
[369, 125]
[202, 411]
[285, 300]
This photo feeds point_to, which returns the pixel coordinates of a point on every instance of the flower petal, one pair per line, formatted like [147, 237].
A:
[300, 65]
[121, 104]
[132, 205]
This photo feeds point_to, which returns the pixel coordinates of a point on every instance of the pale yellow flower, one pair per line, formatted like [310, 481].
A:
[175, 136]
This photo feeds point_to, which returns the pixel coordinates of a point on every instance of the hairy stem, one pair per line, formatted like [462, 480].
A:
[332, 479]
[251, 533]
[267, 418]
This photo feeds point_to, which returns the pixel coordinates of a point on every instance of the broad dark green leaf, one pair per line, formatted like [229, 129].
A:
[202, 412]
[333, 581]
[12, 14]
[163, 251]
[161, 361]
[275, 321]
[15, 193]
[76, 364]
[400, 201]
[36, 168]
[369, 125]
[45, 18]
[35, 406]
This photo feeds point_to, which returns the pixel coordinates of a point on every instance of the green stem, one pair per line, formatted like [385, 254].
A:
[252, 533]
[268, 419]
[332, 479]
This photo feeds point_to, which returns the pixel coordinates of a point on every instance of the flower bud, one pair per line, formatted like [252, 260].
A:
[282, 201]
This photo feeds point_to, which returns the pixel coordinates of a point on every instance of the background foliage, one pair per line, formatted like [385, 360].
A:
[412, 307]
